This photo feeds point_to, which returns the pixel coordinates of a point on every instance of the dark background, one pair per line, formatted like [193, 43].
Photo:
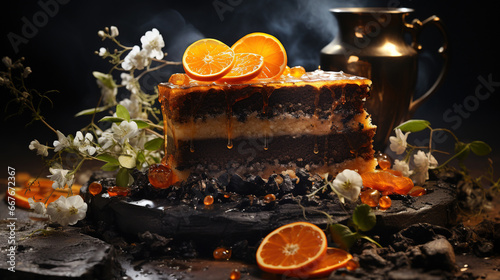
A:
[60, 51]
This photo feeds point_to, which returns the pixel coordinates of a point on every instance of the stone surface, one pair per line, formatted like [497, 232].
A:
[58, 254]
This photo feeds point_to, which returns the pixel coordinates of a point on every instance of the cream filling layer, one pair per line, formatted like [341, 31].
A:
[254, 127]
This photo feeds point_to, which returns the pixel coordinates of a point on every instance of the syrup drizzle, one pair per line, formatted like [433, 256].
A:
[229, 123]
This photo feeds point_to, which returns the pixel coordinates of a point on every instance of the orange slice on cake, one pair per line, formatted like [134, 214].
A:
[207, 60]
[269, 47]
[292, 248]
[246, 67]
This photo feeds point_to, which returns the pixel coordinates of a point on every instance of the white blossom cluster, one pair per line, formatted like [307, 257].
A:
[422, 161]
[123, 140]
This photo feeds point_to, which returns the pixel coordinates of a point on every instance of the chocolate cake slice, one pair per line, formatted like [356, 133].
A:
[265, 126]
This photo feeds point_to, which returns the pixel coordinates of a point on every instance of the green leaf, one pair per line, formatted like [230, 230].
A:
[414, 125]
[480, 148]
[92, 111]
[109, 167]
[123, 177]
[112, 119]
[363, 217]
[108, 158]
[106, 79]
[122, 112]
[127, 161]
[140, 158]
[141, 124]
[343, 236]
[461, 150]
[155, 144]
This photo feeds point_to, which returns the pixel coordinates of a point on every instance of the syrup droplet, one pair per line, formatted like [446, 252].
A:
[316, 149]
[222, 253]
[118, 191]
[208, 200]
[160, 176]
[385, 202]
[266, 142]
[95, 188]
[287, 71]
[370, 197]
[191, 146]
[179, 79]
[417, 191]
[229, 143]
[269, 198]
[235, 274]
[297, 71]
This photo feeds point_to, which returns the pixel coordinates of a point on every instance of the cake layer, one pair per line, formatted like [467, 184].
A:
[259, 155]
[320, 98]
[254, 126]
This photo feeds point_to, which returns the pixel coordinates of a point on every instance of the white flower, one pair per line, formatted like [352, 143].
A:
[348, 185]
[398, 143]
[131, 83]
[123, 132]
[61, 142]
[136, 58]
[60, 177]
[106, 140]
[423, 161]
[38, 207]
[114, 31]
[84, 145]
[153, 42]
[67, 211]
[102, 51]
[40, 149]
[403, 167]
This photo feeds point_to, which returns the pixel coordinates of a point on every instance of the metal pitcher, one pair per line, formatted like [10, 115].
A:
[371, 43]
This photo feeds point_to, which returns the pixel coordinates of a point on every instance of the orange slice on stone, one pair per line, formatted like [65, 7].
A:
[269, 47]
[334, 259]
[246, 67]
[292, 248]
[207, 60]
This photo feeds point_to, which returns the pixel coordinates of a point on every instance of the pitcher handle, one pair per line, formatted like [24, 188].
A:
[415, 28]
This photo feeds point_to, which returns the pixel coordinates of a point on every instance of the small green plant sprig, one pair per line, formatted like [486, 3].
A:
[363, 220]
[462, 149]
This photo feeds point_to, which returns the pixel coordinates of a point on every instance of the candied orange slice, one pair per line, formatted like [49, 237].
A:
[387, 182]
[207, 60]
[246, 67]
[269, 47]
[292, 248]
[39, 189]
[334, 259]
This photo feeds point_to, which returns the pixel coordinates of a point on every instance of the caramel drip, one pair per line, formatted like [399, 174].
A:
[342, 96]
[266, 93]
[165, 129]
[316, 118]
[229, 123]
